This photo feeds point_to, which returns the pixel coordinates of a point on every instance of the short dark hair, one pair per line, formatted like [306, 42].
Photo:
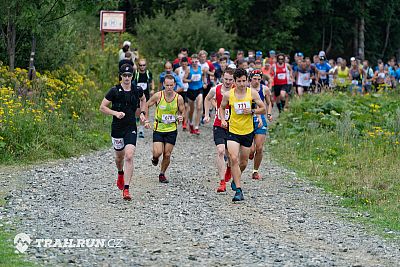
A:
[169, 77]
[184, 59]
[223, 59]
[184, 49]
[239, 72]
[229, 71]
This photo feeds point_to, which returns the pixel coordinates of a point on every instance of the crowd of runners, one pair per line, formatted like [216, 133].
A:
[237, 94]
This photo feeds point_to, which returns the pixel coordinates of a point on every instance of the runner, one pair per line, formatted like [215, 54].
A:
[219, 132]
[356, 77]
[169, 110]
[197, 80]
[282, 74]
[322, 68]
[181, 72]
[124, 98]
[241, 128]
[368, 77]
[260, 123]
[143, 78]
[342, 75]
[303, 78]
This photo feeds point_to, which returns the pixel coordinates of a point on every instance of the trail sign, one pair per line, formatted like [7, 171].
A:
[111, 21]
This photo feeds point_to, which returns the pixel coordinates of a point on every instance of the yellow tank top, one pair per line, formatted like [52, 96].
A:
[165, 117]
[240, 123]
[342, 76]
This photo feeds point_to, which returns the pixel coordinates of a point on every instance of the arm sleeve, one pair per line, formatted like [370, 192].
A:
[110, 96]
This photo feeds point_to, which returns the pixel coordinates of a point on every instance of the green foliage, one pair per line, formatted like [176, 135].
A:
[163, 36]
[349, 145]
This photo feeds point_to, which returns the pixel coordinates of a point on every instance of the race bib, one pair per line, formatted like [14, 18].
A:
[241, 106]
[281, 76]
[143, 85]
[226, 116]
[341, 80]
[323, 74]
[355, 82]
[196, 77]
[168, 118]
[118, 143]
[368, 83]
[381, 75]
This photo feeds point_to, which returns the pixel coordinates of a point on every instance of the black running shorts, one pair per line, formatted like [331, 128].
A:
[193, 94]
[121, 138]
[220, 135]
[168, 137]
[244, 140]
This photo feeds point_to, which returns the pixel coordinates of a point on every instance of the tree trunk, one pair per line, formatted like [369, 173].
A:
[330, 40]
[361, 51]
[387, 35]
[355, 39]
[11, 36]
[323, 39]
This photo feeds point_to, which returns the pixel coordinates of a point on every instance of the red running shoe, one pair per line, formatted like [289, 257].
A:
[126, 195]
[120, 181]
[196, 131]
[256, 176]
[191, 128]
[162, 179]
[228, 174]
[184, 125]
[222, 186]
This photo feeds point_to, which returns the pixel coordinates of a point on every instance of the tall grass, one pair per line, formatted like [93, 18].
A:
[350, 146]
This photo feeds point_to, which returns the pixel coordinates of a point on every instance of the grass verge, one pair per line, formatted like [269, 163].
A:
[350, 146]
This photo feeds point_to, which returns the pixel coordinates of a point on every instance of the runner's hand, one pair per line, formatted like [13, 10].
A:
[206, 119]
[142, 117]
[147, 124]
[247, 111]
[119, 115]
[260, 122]
[269, 118]
[224, 124]
[180, 118]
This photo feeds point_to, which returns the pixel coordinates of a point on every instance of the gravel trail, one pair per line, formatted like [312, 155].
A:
[284, 220]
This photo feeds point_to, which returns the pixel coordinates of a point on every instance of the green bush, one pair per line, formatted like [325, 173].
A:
[162, 36]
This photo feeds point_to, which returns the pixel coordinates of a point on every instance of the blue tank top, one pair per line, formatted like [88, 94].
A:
[261, 93]
[197, 79]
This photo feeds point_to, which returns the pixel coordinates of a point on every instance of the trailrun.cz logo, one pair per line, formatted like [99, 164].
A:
[23, 241]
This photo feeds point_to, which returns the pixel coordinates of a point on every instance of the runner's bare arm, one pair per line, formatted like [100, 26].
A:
[221, 110]
[153, 100]
[256, 98]
[185, 78]
[267, 94]
[181, 108]
[144, 110]
[207, 104]
[106, 110]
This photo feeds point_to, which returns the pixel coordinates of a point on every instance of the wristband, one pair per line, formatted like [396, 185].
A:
[269, 115]
[253, 111]
[143, 112]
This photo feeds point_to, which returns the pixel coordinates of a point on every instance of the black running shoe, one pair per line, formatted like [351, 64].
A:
[154, 161]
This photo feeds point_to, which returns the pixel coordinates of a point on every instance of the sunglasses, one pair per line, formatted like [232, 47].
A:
[127, 75]
[141, 65]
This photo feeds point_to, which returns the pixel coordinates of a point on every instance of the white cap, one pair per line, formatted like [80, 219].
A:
[321, 54]
[232, 66]
[127, 43]
[352, 58]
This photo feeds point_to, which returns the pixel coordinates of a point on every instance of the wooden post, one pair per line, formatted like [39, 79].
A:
[32, 60]
[102, 40]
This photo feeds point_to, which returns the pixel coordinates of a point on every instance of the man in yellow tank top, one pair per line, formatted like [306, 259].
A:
[169, 109]
[241, 128]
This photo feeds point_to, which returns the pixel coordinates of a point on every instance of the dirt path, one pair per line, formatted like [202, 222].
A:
[284, 221]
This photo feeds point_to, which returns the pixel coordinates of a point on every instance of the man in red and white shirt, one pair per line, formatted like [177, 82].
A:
[220, 133]
[282, 75]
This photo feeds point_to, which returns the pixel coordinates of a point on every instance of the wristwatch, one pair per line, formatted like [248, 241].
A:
[143, 112]
[253, 111]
